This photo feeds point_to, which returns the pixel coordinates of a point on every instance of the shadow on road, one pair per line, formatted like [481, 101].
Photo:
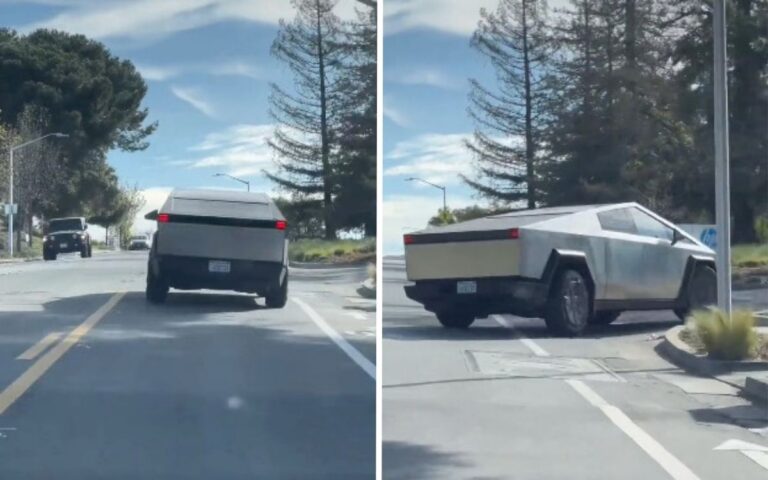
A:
[747, 416]
[409, 461]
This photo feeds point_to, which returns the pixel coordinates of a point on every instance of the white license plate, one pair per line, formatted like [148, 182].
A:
[466, 287]
[218, 266]
[63, 245]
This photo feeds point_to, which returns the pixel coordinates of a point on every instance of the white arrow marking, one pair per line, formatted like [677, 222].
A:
[756, 453]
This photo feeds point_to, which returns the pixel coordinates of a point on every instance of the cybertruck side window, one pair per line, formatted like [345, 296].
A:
[617, 220]
[650, 227]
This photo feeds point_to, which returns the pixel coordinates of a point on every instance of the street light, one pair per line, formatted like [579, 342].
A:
[415, 179]
[10, 183]
[246, 182]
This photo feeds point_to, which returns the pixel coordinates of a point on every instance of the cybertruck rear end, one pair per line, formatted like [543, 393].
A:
[221, 240]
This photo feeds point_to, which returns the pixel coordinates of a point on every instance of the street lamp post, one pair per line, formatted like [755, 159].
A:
[415, 179]
[10, 182]
[246, 182]
[722, 175]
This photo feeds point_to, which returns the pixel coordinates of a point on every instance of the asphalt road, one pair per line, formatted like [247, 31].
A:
[207, 386]
[504, 399]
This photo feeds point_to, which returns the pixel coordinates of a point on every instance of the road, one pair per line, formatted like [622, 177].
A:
[208, 385]
[504, 399]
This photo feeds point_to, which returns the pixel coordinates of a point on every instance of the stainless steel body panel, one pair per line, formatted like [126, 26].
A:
[634, 265]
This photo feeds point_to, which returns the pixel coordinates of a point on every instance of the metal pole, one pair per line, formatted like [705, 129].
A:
[445, 205]
[10, 208]
[722, 177]
[248, 186]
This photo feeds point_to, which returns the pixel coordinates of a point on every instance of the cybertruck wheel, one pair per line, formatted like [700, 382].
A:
[157, 288]
[604, 318]
[568, 308]
[279, 298]
[701, 292]
[455, 320]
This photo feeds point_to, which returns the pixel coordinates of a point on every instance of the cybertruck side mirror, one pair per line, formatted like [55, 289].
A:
[151, 215]
[676, 236]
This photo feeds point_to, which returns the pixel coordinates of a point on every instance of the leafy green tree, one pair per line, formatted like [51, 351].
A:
[87, 92]
[444, 217]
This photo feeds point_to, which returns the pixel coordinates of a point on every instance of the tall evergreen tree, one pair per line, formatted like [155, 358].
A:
[510, 118]
[306, 140]
[355, 203]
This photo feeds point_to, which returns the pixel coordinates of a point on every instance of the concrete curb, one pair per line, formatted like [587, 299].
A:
[324, 265]
[682, 355]
[367, 289]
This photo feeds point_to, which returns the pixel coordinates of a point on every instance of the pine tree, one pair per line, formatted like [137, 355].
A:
[510, 118]
[305, 142]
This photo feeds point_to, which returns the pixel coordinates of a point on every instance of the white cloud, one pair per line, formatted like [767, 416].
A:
[153, 199]
[153, 19]
[235, 68]
[459, 17]
[438, 158]
[394, 115]
[407, 213]
[240, 150]
[430, 77]
[193, 97]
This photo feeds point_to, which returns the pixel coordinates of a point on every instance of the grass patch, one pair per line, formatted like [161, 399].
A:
[750, 255]
[27, 251]
[332, 251]
[711, 331]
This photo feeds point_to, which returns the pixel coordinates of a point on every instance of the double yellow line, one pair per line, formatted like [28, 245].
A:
[38, 369]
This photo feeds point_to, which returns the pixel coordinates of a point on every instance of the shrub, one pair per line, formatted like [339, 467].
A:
[761, 227]
[339, 252]
[372, 272]
[724, 338]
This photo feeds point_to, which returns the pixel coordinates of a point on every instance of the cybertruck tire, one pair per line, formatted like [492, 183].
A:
[457, 320]
[569, 305]
[279, 298]
[701, 292]
[157, 289]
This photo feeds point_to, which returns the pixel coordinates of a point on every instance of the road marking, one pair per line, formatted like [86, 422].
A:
[756, 453]
[345, 346]
[674, 467]
[39, 347]
[37, 369]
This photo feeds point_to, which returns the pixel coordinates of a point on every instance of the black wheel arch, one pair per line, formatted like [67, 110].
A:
[691, 264]
[561, 259]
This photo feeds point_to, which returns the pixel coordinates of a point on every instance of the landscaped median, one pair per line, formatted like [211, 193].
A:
[733, 352]
[316, 251]
[750, 266]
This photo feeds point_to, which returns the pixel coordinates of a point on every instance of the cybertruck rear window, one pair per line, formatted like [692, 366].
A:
[224, 209]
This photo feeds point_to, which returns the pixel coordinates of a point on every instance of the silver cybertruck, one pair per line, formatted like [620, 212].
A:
[221, 240]
[570, 265]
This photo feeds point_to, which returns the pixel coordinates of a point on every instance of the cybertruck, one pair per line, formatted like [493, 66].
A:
[221, 240]
[572, 266]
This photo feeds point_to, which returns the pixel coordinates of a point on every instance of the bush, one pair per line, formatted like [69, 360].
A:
[339, 252]
[724, 338]
[761, 227]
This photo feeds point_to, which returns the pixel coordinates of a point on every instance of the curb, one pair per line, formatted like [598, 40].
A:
[680, 354]
[325, 265]
[367, 289]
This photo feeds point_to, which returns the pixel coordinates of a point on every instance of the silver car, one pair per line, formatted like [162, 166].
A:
[220, 240]
[570, 265]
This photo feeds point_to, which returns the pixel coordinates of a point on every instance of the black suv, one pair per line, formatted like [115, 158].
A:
[66, 235]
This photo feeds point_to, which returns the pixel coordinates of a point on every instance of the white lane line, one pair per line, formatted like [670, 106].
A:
[39, 347]
[674, 467]
[345, 346]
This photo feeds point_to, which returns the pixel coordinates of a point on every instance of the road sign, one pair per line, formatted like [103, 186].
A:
[707, 234]
[7, 208]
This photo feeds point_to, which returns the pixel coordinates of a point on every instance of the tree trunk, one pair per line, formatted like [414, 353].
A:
[330, 230]
[530, 149]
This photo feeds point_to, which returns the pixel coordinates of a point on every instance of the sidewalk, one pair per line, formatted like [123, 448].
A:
[749, 377]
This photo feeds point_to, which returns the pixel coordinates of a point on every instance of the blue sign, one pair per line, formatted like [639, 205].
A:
[709, 237]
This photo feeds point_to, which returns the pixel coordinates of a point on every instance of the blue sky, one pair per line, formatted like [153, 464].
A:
[208, 67]
[427, 64]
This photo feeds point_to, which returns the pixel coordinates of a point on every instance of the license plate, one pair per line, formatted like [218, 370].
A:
[63, 245]
[466, 287]
[218, 266]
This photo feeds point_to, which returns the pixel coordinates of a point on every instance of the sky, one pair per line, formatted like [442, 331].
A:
[208, 66]
[428, 62]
